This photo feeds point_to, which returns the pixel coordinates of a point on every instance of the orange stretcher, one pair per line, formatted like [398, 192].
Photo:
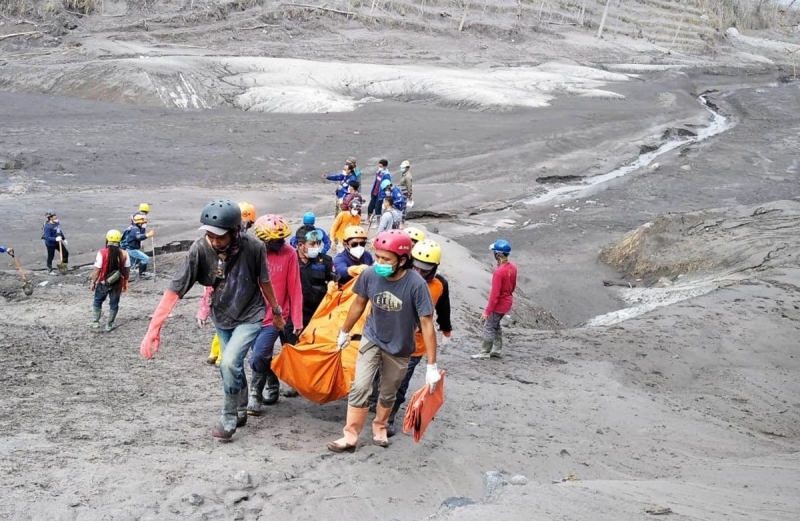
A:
[422, 408]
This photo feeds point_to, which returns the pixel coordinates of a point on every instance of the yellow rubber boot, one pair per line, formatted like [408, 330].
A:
[214, 355]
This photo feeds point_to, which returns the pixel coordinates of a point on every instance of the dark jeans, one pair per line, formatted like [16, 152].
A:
[101, 291]
[375, 206]
[51, 253]
[413, 362]
[264, 346]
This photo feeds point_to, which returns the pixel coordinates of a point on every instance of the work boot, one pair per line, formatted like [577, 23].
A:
[355, 423]
[273, 387]
[379, 435]
[486, 348]
[497, 348]
[143, 271]
[226, 426]
[391, 430]
[95, 323]
[112, 316]
[241, 407]
[256, 388]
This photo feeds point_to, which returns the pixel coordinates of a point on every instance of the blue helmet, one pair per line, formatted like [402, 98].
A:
[309, 218]
[501, 246]
[385, 184]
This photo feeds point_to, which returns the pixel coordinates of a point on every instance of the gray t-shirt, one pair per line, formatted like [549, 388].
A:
[237, 298]
[396, 308]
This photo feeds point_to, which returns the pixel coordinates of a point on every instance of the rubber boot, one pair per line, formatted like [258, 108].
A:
[355, 423]
[391, 430]
[379, 435]
[376, 392]
[273, 387]
[112, 316]
[486, 348]
[241, 407]
[256, 388]
[95, 323]
[213, 355]
[226, 427]
[497, 348]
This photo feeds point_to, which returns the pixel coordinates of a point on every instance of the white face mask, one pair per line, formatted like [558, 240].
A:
[312, 253]
[354, 212]
[357, 252]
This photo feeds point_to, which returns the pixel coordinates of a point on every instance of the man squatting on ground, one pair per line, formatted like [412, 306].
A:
[401, 303]
[235, 265]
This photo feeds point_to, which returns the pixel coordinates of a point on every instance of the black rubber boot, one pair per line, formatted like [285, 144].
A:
[273, 387]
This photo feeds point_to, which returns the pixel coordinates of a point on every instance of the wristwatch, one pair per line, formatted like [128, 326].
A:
[277, 311]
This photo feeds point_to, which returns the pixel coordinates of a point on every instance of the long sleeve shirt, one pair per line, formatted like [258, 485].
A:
[406, 185]
[504, 282]
[284, 272]
[51, 231]
[343, 220]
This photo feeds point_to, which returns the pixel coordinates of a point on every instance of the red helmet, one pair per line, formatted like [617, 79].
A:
[395, 241]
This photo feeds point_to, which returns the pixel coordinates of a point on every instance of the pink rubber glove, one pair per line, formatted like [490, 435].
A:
[152, 340]
[205, 307]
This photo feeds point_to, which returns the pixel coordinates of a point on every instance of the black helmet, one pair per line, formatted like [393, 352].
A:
[220, 216]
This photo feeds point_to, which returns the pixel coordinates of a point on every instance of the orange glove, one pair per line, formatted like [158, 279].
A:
[355, 271]
[152, 340]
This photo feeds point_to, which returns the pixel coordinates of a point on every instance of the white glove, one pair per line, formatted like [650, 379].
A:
[201, 322]
[432, 376]
[65, 242]
[444, 343]
[343, 340]
[59, 238]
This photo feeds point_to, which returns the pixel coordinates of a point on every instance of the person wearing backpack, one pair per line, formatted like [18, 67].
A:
[132, 242]
[109, 279]
[391, 217]
[344, 178]
[53, 239]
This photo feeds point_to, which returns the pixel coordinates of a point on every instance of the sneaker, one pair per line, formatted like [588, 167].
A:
[146, 275]
[52, 272]
[481, 356]
[495, 354]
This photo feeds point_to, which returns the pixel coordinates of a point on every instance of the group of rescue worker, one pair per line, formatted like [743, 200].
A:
[261, 289]
[264, 284]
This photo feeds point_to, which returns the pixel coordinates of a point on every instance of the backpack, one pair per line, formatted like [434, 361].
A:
[123, 243]
[397, 218]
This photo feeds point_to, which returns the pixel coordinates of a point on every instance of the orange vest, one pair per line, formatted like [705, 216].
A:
[436, 288]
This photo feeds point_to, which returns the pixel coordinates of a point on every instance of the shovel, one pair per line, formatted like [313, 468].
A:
[62, 268]
[27, 286]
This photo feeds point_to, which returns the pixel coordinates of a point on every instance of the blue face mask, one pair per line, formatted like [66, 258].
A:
[384, 270]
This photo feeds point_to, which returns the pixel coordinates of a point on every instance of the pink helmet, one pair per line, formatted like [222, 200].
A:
[395, 241]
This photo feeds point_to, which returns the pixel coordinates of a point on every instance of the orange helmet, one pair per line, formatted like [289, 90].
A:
[271, 228]
[248, 212]
[354, 232]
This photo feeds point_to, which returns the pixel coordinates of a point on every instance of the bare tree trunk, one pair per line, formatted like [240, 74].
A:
[583, 12]
[463, 18]
[680, 26]
[603, 20]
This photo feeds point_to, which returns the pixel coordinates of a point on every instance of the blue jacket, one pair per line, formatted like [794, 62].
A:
[380, 176]
[50, 232]
[398, 199]
[343, 261]
[344, 182]
[326, 240]
[133, 237]
[3, 249]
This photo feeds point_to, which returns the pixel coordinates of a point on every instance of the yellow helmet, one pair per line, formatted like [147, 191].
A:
[113, 236]
[427, 251]
[354, 232]
[271, 228]
[140, 218]
[248, 212]
[416, 234]
[144, 207]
